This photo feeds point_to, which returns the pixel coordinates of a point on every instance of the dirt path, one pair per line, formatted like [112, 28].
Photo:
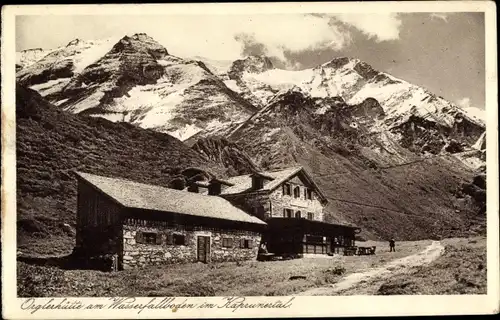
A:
[428, 255]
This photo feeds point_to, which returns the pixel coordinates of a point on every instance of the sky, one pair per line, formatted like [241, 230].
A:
[443, 52]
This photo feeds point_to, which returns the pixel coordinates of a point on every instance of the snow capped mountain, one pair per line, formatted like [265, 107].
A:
[135, 79]
[54, 70]
[354, 81]
[27, 57]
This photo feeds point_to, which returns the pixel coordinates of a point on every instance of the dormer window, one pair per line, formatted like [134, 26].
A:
[258, 180]
[216, 186]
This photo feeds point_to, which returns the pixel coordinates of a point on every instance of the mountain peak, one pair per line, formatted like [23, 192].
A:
[32, 50]
[339, 62]
[140, 42]
[250, 64]
[74, 42]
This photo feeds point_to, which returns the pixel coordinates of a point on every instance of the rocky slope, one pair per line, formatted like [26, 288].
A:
[370, 179]
[226, 153]
[51, 143]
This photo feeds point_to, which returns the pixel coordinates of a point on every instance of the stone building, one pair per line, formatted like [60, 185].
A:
[139, 224]
[292, 205]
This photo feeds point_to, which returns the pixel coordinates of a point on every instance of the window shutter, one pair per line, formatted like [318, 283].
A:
[284, 213]
[139, 237]
[242, 243]
[250, 244]
[159, 238]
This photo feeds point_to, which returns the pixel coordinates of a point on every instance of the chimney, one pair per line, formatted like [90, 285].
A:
[257, 182]
[214, 188]
[193, 187]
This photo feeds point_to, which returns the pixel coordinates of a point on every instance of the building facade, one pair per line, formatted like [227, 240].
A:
[136, 225]
[292, 205]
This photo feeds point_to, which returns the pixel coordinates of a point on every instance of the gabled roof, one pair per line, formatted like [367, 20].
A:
[243, 183]
[136, 195]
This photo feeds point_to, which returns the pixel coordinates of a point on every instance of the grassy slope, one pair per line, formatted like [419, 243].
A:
[460, 270]
[409, 202]
[51, 143]
[249, 278]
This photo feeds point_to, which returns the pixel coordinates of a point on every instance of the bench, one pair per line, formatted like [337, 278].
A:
[362, 251]
[266, 256]
[350, 251]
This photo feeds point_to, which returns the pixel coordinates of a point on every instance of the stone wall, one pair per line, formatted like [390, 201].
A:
[279, 201]
[163, 252]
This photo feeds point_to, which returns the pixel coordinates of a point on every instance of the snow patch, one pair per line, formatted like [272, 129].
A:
[185, 132]
[51, 86]
[91, 52]
[231, 84]
[267, 136]
[58, 103]
[479, 141]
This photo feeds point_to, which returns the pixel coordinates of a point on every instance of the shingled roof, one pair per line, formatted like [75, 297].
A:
[243, 183]
[136, 195]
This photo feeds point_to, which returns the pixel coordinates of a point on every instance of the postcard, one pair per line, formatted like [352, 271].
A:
[235, 160]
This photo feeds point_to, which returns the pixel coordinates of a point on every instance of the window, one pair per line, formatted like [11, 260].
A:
[310, 216]
[147, 237]
[176, 239]
[227, 242]
[179, 239]
[296, 192]
[314, 239]
[258, 211]
[297, 214]
[287, 189]
[309, 194]
[287, 213]
[245, 243]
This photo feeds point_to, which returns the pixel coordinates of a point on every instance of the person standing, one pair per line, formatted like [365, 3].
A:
[392, 245]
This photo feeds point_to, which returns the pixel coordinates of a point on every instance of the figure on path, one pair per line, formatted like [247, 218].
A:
[392, 245]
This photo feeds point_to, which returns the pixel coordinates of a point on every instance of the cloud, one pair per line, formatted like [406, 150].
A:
[466, 105]
[277, 34]
[221, 37]
[380, 26]
[439, 15]
[464, 102]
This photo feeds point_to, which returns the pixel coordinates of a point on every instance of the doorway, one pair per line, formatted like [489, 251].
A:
[204, 249]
